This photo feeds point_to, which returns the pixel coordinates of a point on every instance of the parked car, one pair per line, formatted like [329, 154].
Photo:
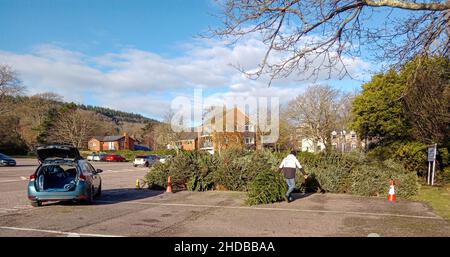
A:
[145, 160]
[6, 160]
[164, 158]
[114, 158]
[100, 157]
[63, 175]
[91, 156]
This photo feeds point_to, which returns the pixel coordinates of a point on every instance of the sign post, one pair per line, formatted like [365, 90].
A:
[431, 163]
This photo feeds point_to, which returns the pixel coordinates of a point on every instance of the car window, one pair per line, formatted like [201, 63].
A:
[86, 167]
[91, 167]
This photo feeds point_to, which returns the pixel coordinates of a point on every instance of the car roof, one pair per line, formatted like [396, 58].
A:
[4, 155]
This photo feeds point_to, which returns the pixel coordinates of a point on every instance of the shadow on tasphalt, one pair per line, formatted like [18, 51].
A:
[308, 188]
[113, 196]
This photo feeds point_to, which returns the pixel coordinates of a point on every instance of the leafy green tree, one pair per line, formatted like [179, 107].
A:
[44, 130]
[378, 110]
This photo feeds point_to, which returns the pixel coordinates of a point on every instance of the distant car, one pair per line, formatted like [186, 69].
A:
[63, 175]
[164, 158]
[145, 160]
[90, 157]
[114, 158]
[100, 157]
[6, 160]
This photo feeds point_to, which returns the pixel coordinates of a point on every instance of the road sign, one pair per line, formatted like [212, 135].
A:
[431, 163]
[431, 153]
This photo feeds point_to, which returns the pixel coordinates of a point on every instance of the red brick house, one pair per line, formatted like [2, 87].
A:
[244, 135]
[105, 143]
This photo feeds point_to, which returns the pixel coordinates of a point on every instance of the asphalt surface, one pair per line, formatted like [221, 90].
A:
[124, 211]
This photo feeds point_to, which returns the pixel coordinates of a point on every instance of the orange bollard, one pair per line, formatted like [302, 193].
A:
[391, 196]
[169, 185]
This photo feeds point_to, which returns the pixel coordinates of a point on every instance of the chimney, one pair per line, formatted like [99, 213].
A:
[126, 141]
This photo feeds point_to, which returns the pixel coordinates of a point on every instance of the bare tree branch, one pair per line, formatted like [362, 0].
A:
[10, 85]
[407, 5]
[310, 37]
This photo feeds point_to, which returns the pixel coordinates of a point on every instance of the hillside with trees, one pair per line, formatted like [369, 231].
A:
[117, 116]
[45, 118]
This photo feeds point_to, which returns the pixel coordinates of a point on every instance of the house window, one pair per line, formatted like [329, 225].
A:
[249, 140]
[353, 136]
[248, 128]
[353, 146]
[207, 143]
[111, 146]
[225, 140]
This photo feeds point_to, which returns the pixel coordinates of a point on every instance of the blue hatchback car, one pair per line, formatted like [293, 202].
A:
[63, 175]
[6, 160]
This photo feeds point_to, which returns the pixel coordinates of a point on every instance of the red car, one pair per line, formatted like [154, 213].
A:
[114, 158]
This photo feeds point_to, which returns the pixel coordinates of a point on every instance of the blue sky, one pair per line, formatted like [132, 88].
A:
[102, 26]
[137, 55]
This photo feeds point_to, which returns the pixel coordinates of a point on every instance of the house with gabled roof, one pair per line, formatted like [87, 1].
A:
[232, 128]
[107, 143]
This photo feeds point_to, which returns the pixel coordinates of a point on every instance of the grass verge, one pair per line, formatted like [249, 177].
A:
[437, 197]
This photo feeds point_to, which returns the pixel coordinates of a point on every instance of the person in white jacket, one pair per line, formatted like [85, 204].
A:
[288, 166]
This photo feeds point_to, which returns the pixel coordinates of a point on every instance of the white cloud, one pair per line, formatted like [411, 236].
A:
[140, 81]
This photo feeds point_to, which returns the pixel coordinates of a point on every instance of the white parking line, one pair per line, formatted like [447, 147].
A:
[70, 234]
[12, 180]
[7, 209]
[281, 209]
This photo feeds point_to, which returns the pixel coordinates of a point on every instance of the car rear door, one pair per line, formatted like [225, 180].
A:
[95, 177]
[88, 171]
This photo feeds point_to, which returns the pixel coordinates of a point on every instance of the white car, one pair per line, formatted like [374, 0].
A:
[164, 158]
[90, 157]
[145, 160]
[99, 157]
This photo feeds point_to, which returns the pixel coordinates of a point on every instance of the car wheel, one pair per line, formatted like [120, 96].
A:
[134, 165]
[36, 203]
[89, 197]
[147, 164]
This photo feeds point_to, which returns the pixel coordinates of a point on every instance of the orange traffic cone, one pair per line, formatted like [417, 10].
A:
[391, 196]
[169, 185]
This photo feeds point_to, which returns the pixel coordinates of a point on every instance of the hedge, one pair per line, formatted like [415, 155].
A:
[373, 180]
[267, 187]
[257, 174]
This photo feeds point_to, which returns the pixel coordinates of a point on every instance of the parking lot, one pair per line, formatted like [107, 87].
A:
[124, 211]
